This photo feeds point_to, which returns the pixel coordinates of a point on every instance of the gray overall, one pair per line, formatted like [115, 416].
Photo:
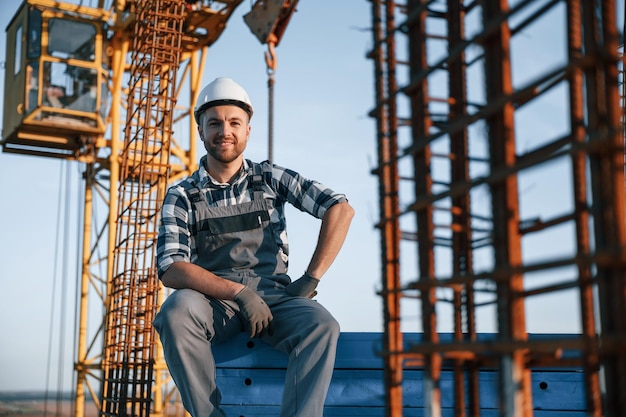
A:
[237, 243]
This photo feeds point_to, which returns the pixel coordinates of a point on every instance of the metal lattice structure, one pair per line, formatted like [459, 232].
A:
[458, 230]
[133, 291]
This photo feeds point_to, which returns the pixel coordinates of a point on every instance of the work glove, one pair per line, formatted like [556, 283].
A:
[303, 286]
[256, 312]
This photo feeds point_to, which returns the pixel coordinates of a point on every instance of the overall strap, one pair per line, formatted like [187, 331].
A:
[194, 193]
[257, 179]
[255, 182]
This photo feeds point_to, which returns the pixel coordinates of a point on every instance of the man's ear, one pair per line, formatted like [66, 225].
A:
[200, 132]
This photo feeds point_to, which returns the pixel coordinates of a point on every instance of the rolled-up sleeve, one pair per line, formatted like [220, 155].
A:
[173, 241]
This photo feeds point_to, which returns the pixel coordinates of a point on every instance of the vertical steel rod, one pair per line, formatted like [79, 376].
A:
[421, 124]
[581, 212]
[386, 122]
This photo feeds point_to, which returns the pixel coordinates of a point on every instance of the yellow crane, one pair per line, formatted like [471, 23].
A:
[103, 86]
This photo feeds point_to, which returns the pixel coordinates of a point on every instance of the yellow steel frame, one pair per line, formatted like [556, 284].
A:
[34, 136]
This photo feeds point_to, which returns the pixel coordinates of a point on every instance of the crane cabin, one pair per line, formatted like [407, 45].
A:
[55, 86]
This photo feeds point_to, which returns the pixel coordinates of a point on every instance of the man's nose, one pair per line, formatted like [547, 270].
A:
[224, 130]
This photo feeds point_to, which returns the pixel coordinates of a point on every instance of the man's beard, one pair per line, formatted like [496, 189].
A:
[224, 157]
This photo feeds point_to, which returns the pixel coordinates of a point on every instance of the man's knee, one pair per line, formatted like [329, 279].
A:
[330, 324]
[326, 324]
[180, 307]
[333, 328]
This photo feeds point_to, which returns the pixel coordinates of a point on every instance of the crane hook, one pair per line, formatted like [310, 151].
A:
[270, 55]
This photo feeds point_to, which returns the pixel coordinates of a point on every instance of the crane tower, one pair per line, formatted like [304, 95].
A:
[105, 86]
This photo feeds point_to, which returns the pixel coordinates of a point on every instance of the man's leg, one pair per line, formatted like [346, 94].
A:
[188, 323]
[308, 333]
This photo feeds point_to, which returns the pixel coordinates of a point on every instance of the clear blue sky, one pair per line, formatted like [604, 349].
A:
[324, 90]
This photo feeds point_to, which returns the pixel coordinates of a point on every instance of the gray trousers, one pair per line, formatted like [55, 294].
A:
[189, 323]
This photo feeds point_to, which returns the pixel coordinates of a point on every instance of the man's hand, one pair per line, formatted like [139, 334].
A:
[256, 312]
[303, 286]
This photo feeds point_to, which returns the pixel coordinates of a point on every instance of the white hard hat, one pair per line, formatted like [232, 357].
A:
[223, 91]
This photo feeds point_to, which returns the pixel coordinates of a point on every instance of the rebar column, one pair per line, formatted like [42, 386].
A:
[582, 149]
[581, 211]
[606, 161]
[132, 295]
[421, 124]
[515, 394]
[462, 255]
[383, 55]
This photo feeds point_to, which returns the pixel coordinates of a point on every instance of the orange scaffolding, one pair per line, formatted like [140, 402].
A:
[450, 169]
[129, 354]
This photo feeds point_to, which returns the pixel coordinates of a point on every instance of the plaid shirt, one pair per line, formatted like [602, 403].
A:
[176, 242]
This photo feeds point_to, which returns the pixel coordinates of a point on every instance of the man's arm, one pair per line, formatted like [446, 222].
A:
[333, 231]
[187, 275]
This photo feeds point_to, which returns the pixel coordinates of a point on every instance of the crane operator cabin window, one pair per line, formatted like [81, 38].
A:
[66, 83]
[70, 86]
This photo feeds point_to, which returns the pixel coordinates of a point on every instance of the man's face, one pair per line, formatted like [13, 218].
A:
[225, 132]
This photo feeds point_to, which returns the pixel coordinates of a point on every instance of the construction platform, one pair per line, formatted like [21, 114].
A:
[251, 378]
